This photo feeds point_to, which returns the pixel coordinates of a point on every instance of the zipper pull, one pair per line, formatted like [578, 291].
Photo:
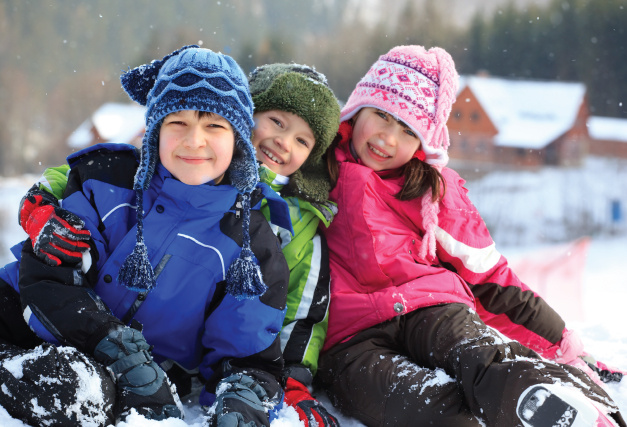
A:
[238, 209]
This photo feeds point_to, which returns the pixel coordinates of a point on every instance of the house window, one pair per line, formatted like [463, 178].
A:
[521, 152]
[474, 116]
[482, 146]
[463, 144]
[551, 155]
[457, 114]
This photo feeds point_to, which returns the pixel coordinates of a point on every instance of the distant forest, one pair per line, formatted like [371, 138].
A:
[59, 61]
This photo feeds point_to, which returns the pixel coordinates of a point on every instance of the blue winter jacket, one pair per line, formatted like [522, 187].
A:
[192, 233]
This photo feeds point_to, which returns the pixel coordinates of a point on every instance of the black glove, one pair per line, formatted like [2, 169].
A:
[606, 373]
[57, 235]
[141, 383]
[242, 401]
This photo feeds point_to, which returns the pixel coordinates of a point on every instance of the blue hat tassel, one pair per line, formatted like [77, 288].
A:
[136, 273]
[244, 280]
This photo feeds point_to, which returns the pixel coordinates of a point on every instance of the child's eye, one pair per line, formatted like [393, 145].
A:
[411, 133]
[382, 114]
[303, 142]
[215, 125]
[277, 122]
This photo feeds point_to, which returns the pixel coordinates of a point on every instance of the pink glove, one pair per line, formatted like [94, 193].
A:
[571, 348]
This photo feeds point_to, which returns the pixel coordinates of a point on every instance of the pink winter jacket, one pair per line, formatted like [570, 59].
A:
[377, 274]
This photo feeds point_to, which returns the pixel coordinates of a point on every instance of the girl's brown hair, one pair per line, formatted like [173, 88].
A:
[420, 177]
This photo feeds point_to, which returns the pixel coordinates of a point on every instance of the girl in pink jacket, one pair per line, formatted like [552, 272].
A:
[416, 278]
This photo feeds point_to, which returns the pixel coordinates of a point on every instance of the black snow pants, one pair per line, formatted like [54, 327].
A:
[47, 385]
[438, 366]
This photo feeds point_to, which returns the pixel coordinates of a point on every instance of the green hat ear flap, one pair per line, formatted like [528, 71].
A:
[138, 82]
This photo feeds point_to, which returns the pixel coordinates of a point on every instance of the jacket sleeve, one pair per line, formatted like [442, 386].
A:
[60, 305]
[59, 302]
[54, 180]
[307, 316]
[244, 334]
[465, 246]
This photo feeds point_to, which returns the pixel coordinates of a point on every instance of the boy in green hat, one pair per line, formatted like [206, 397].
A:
[296, 118]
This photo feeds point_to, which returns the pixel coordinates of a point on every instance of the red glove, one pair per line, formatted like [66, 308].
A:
[56, 234]
[310, 411]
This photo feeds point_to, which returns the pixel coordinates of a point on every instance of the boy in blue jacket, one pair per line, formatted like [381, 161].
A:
[296, 118]
[178, 246]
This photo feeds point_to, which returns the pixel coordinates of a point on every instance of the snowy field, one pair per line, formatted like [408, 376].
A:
[601, 292]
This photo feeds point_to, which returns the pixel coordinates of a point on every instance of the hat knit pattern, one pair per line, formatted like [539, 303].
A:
[418, 87]
[192, 78]
[301, 90]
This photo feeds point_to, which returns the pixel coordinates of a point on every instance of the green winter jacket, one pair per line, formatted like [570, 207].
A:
[306, 252]
[54, 180]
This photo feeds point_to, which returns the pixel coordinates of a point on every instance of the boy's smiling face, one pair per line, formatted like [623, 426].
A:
[283, 141]
[196, 147]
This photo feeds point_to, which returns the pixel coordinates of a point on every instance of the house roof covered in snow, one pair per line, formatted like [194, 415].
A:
[607, 128]
[115, 122]
[527, 113]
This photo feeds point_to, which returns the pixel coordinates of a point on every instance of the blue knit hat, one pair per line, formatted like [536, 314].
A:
[192, 78]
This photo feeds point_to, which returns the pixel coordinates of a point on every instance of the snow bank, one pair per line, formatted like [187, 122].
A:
[524, 213]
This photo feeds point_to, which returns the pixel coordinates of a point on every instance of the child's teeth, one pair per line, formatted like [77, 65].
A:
[377, 152]
[269, 154]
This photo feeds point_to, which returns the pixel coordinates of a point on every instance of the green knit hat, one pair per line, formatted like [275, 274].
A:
[303, 91]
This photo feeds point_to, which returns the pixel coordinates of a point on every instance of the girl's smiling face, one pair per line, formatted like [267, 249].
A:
[381, 142]
[283, 141]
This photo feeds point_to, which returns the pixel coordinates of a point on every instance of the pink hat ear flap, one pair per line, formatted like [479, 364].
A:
[447, 93]
[429, 211]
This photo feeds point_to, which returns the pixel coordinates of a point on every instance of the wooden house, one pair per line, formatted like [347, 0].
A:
[608, 137]
[499, 123]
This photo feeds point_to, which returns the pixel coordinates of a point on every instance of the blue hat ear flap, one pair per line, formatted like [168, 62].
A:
[244, 279]
[138, 82]
[244, 170]
[136, 272]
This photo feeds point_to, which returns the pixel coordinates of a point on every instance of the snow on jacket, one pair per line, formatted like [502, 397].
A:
[193, 233]
[377, 274]
[306, 253]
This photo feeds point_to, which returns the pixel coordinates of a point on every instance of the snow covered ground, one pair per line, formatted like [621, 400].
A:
[603, 292]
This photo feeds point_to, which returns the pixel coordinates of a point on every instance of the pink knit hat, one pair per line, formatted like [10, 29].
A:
[418, 87]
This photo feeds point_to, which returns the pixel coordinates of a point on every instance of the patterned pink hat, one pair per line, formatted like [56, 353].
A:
[417, 87]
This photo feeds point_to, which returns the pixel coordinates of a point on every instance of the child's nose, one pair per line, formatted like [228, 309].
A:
[196, 137]
[282, 143]
[388, 138]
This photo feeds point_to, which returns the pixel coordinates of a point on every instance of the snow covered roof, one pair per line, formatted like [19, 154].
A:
[115, 122]
[527, 113]
[607, 128]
